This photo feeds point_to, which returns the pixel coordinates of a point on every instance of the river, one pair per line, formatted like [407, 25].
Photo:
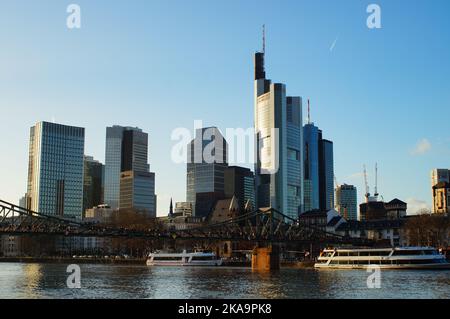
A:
[28, 280]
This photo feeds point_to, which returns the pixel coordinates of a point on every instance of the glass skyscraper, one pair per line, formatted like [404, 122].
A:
[318, 169]
[55, 170]
[294, 156]
[346, 203]
[326, 174]
[311, 167]
[278, 129]
[206, 163]
[126, 149]
[93, 183]
[137, 191]
[240, 182]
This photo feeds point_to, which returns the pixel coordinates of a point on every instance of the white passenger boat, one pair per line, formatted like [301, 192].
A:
[384, 258]
[183, 259]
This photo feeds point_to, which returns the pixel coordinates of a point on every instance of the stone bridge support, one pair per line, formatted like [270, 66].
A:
[266, 258]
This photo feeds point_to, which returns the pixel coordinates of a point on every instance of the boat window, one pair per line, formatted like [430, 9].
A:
[364, 253]
[166, 258]
[408, 252]
[416, 262]
[203, 258]
[342, 254]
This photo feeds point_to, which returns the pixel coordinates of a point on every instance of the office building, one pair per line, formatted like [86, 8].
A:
[346, 201]
[126, 149]
[137, 192]
[326, 174]
[318, 169]
[93, 183]
[206, 164]
[183, 209]
[100, 213]
[55, 170]
[240, 183]
[127, 154]
[311, 167]
[278, 140]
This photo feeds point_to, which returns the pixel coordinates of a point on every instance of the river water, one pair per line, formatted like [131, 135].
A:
[19, 280]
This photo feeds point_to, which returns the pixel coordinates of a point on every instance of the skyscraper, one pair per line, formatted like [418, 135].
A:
[240, 182]
[93, 183]
[55, 170]
[319, 169]
[278, 129]
[346, 201]
[311, 166]
[326, 174]
[206, 164]
[137, 191]
[126, 150]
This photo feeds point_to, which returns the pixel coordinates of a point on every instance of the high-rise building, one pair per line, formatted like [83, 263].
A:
[55, 170]
[240, 183]
[23, 201]
[137, 192]
[311, 167]
[294, 156]
[206, 164]
[93, 183]
[126, 150]
[326, 174]
[319, 169]
[278, 129]
[346, 201]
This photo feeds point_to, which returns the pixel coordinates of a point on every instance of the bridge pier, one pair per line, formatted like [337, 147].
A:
[266, 258]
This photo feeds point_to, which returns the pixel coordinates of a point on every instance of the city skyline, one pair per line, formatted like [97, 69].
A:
[402, 129]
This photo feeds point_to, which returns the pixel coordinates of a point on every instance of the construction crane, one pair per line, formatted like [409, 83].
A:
[335, 182]
[366, 183]
[376, 181]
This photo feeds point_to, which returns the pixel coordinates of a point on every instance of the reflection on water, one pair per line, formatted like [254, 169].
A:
[116, 281]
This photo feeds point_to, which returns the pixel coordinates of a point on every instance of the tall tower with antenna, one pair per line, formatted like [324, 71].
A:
[277, 116]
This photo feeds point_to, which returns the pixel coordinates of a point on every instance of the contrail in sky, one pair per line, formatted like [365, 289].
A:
[333, 44]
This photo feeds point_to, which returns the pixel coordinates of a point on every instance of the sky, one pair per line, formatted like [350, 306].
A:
[381, 95]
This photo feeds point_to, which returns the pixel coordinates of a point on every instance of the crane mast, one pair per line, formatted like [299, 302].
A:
[366, 184]
[376, 181]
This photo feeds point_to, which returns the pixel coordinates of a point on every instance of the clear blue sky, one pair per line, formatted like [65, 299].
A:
[163, 64]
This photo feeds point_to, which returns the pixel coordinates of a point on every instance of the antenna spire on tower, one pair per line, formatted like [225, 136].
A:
[309, 113]
[264, 39]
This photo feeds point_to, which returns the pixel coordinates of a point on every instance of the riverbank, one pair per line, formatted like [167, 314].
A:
[130, 261]
[70, 260]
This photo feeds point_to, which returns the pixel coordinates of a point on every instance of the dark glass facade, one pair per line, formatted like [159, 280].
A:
[326, 174]
[126, 150]
[93, 183]
[240, 182]
[206, 164]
